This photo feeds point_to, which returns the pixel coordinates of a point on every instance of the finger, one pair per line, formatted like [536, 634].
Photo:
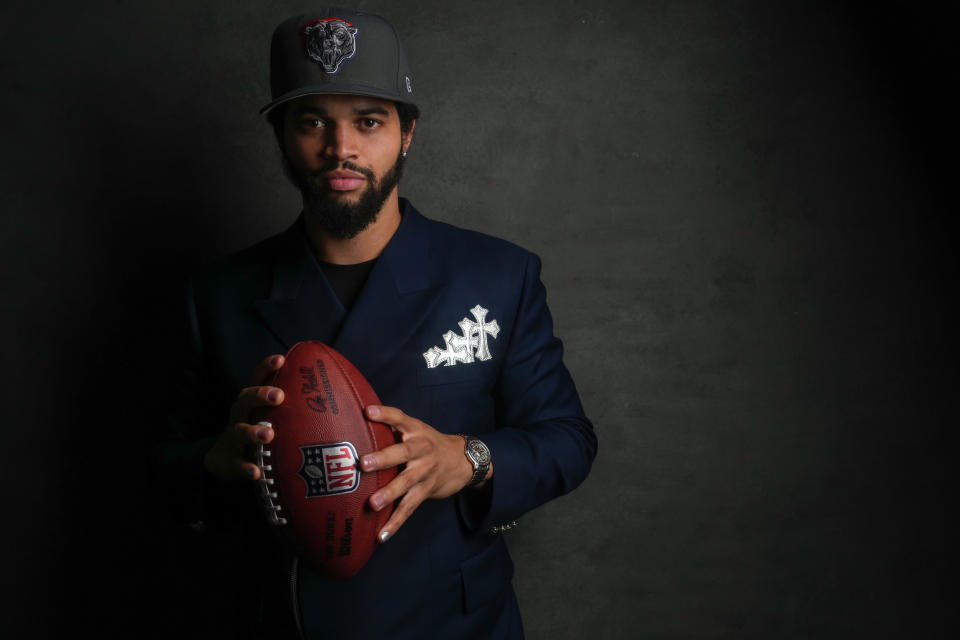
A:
[230, 455]
[252, 397]
[235, 468]
[249, 470]
[396, 454]
[260, 433]
[252, 434]
[395, 489]
[263, 370]
[407, 506]
[393, 417]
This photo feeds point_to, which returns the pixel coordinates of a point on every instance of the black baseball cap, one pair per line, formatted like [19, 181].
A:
[338, 51]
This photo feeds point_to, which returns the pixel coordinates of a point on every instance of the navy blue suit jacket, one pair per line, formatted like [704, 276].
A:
[443, 574]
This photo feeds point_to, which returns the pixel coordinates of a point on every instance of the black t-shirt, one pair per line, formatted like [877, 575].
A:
[347, 279]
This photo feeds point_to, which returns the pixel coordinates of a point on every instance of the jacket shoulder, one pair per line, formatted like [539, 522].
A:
[462, 244]
[247, 270]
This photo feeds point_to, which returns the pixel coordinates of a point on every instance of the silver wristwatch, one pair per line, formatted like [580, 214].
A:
[479, 456]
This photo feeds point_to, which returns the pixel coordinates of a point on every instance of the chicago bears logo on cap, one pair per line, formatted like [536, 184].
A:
[330, 41]
[329, 469]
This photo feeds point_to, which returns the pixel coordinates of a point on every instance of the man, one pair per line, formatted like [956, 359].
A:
[450, 327]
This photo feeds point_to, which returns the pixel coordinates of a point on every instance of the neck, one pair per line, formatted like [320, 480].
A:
[366, 245]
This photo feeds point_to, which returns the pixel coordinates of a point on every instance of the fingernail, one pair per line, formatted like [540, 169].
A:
[384, 536]
[274, 360]
[262, 433]
[377, 502]
[373, 411]
[252, 473]
[272, 395]
[368, 462]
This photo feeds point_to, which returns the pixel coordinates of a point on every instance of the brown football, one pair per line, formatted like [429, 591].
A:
[312, 487]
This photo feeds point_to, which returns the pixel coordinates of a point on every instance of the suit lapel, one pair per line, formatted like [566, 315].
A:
[302, 305]
[397, 298]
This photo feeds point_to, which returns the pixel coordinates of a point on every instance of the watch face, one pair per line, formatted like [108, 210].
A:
[479, 452]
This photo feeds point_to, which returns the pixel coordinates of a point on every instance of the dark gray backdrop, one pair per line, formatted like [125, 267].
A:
[742, 213]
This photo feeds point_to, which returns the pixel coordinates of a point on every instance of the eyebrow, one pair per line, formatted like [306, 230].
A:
[320, 111]
[371, 110]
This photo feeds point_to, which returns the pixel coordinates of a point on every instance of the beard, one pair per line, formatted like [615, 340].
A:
[340, 218]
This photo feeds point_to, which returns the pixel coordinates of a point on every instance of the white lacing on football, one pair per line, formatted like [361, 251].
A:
[266, 483]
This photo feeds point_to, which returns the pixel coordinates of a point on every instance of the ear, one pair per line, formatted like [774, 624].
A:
[407, 138]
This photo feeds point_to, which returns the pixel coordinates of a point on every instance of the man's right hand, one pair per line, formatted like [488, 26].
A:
[227, 458]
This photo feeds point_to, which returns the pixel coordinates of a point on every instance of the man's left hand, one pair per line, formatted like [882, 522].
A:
[436, 466]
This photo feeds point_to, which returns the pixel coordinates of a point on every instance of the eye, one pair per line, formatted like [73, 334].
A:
[369, 123]
[312, 123]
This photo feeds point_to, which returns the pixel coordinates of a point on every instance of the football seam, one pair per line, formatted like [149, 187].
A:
[353, 388]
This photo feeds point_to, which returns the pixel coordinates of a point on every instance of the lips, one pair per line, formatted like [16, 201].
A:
[344, 180]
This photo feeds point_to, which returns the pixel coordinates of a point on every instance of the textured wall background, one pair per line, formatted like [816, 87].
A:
[742, 212]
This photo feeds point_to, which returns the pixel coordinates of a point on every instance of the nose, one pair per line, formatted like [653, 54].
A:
[340, 143]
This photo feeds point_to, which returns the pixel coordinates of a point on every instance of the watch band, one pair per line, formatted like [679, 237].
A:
[479, 456]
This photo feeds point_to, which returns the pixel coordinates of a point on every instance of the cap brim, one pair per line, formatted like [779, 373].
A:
[345, 89]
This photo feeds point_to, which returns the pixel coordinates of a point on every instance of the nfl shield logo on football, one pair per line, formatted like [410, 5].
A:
[329, 469]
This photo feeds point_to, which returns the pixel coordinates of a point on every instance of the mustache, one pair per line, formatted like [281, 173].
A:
[344, 166]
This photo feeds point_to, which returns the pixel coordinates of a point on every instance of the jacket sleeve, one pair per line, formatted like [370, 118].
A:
[192, 424]
[544, 445]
